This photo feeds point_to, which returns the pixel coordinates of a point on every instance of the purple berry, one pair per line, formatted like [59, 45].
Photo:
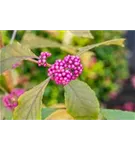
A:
[68, 76]
[63, 74]
[59, 75]
[63, 71]
[56, 67]
[61, 79]
[42, 58]
[76, 63]
[76, 72]
[43, 61]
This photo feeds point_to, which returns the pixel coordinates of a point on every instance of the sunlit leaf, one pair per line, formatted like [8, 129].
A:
[117, 114]
[81, 101]
[49, 110]
[13, 54]
[60, 114]
[30, 103]
[119, 42]
[82, 33]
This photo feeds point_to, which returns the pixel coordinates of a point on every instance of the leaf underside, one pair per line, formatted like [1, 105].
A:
[30, 103]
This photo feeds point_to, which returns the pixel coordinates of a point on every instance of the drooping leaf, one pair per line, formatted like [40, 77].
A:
[81, 101]
[117, 114]
[32, 41]
[119, 42]
[82, 33]
[47, 111]
[30, 103]
[5, 114]
[60, 114]
[13, 54]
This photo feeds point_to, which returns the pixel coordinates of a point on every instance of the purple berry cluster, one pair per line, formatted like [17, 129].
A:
[42, 58]
[11, 100]
[63, 71]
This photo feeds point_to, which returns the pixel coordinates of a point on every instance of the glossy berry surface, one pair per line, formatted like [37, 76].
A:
[63, 71]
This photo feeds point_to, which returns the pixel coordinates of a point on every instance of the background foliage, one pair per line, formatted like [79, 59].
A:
[105, 66]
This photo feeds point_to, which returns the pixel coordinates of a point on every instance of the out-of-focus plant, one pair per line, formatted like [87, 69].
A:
[110, 66]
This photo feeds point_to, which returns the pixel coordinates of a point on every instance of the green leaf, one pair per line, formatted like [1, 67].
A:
[81, 101]
[30, 103]
[3, 85]
[117, 114]
[47, 111]
[119, 42]
[82, 33]
[13, 54]
[32, 41]
[5, 114]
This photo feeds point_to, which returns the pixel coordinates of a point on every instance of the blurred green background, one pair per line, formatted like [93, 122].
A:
[104, 67]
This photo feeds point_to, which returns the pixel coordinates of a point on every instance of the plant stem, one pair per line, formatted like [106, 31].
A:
[32, 60]
[48, 65]
[13, 36]
[35, 61]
